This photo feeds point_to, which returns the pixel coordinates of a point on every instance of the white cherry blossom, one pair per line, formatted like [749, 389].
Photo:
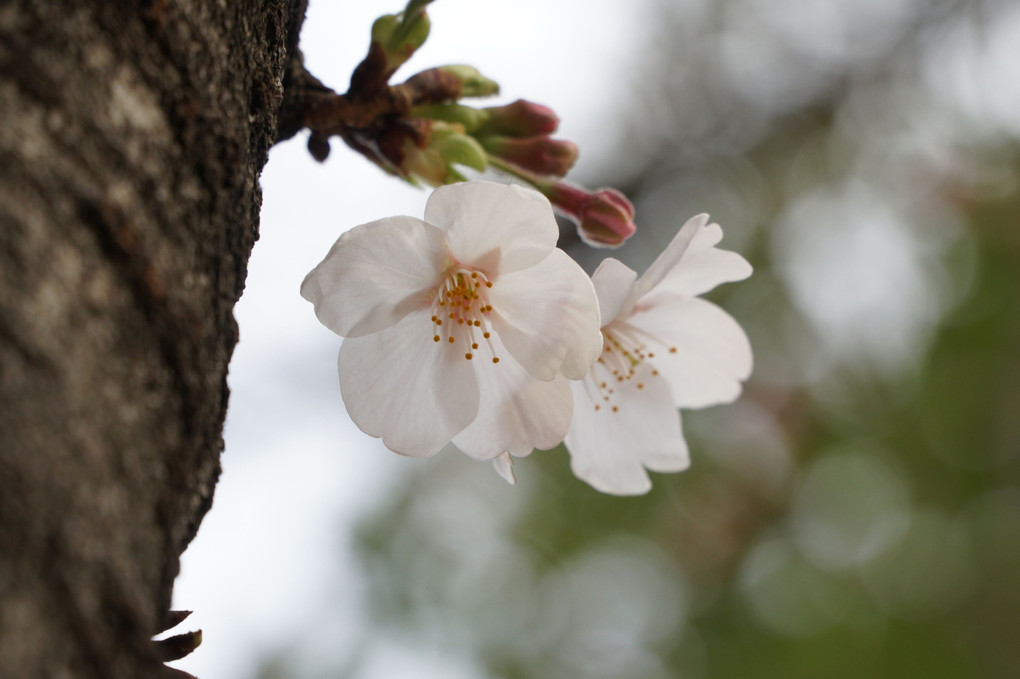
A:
[663, 349]
[466, 326]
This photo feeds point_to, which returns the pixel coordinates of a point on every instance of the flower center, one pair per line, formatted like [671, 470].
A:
[460, 311]
[623, 354]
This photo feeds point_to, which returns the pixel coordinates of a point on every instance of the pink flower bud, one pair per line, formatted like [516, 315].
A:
[541, 154]
[604, 218]
[520, 119]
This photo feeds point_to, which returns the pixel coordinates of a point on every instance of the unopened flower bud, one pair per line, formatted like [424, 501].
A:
[539, 154]
[520, 119]
[444, 146]
[604, 218]
[472, 83]
[400, 35]
[457, 147]
[470, 118]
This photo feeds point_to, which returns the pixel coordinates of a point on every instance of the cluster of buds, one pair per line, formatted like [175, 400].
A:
[421, 131]
[515, 139]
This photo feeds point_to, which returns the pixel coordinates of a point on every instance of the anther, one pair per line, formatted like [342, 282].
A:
[672, 350]
[451, 339]
[495, 359]
[486, 335]
[468, 356]
[474, 345]
[435, 338]
[616, 409]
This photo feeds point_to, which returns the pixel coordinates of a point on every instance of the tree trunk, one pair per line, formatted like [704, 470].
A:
[132, 135]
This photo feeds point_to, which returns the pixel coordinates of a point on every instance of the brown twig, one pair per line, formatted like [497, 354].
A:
[371, 117]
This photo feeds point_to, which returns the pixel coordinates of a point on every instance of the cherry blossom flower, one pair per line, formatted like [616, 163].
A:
[466, 326]
[663, 349]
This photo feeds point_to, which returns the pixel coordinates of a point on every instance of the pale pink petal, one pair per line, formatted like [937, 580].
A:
[548, 317]
[516, 412]
[610, 449]
[496, 228]
[698, 348]
[666, 261]
[401, 386]
[504, 465]
[613, 281]
[375, 274]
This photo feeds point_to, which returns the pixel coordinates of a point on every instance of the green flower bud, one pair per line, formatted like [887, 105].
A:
[457, 147]
[384, 28]
[470, 118]
[444, 145]
[400, 35]
[473, 83]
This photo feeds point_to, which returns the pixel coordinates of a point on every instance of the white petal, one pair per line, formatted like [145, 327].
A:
[698, 347]
[516, 413]
[496, 228]
[400, 385]
[504, 465]
[668, 259]
[548, 317]
[705, 238]
[704, 266]
[611, 449]
[613, 282]
[375, 274]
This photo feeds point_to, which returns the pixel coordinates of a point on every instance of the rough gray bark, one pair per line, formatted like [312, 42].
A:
[132, 135]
